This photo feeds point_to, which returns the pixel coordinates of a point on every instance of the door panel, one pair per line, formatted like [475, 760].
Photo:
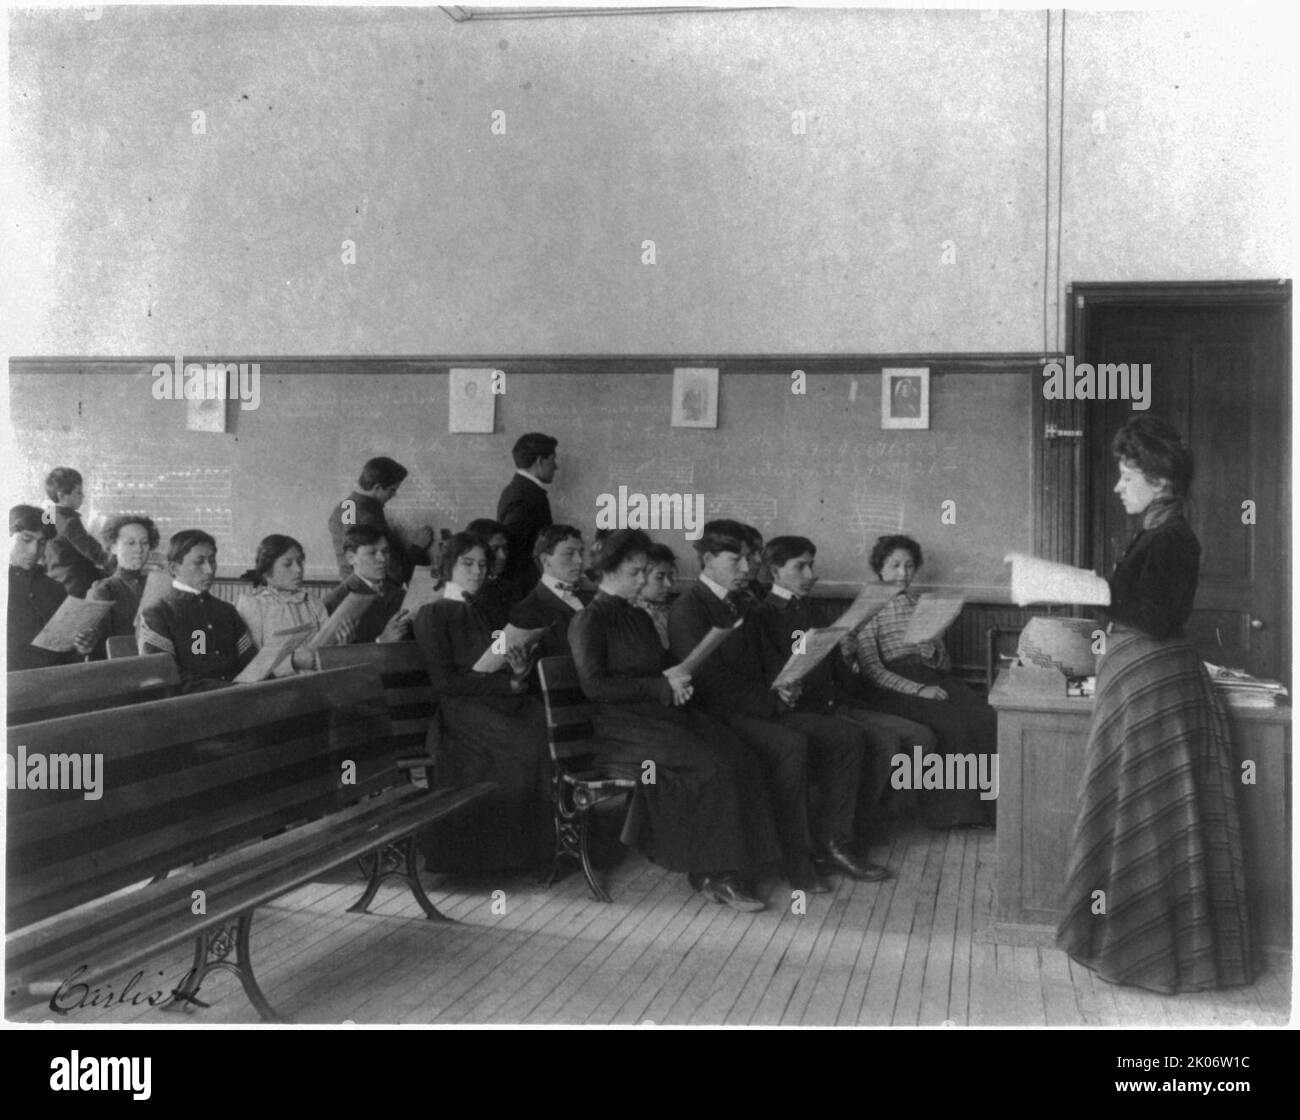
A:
[1220, 374]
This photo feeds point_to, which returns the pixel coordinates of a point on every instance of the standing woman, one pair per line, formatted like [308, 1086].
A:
[129, 540]
[487, 728]
[707, 811]
[1157, 827]
[914, 682]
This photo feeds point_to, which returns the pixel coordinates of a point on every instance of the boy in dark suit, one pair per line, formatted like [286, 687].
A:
[377, 486]
[556, 598]
[368, 553]
[73, 556]
[788, 610]
[33, 596]
[731, 687]
[524, 510]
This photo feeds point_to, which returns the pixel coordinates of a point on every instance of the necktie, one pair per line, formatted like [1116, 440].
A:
[566, 588]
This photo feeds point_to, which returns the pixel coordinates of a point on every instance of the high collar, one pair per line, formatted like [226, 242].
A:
[776, 591]
[718, 590]
[613, 602]
[1162, 510]
[553, 586]
[187, 589]
[299, 596]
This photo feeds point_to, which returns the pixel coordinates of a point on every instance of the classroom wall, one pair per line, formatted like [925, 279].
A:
[135, 235]
[815, 464]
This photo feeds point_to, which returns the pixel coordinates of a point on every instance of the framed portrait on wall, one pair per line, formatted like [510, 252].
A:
[905, 398]
[471, 405]
[695, 398]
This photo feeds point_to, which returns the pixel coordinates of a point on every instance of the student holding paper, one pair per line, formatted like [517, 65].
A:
[776, 623]
[279, 601]
[706, 812]
[731, 687]
[488, 728]
[913, 681]
[205, 635]
[34, 598]
[1157, 828]
[368, 553]
[555, 600]
[129, 538]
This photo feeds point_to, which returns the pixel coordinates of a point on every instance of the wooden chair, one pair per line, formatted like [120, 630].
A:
[89, 686]
[408, 694]
[250, 791]
[122, 645]
[578, 784]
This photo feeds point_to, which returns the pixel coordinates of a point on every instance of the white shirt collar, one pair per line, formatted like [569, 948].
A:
[185, 587]
[717, 588]
[377, 588]
[530, 476]
[554, 585]
[780, 592]
[454, 592]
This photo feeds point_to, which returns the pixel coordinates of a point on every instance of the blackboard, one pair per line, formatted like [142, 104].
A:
[816, 464]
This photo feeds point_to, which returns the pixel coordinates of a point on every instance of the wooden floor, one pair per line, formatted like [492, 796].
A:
[912, 951]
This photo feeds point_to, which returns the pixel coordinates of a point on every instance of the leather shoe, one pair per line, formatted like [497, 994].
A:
[840, 855]
[727, 890]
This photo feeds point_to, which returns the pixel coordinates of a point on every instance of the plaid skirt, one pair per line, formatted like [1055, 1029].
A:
[1157, 831]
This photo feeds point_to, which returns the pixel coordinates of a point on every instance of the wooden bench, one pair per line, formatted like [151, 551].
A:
[88, 686]
[258, 789]
[408, 694]
[578, 783]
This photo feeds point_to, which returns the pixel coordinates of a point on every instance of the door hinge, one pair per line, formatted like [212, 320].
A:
[1051, 431]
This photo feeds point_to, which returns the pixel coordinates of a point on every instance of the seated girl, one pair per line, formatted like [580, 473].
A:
[503, 592]
[707, 811]
[915, 682]
[279, 601]
[129, 539]
[33, 596]
[655, 596]
[205, 635]
[488, 728]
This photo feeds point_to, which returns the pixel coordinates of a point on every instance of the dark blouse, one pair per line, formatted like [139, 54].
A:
[618, 654]
[1154, 584]
[123, 589]
[453, 635]
[33, 600]
[170, 625]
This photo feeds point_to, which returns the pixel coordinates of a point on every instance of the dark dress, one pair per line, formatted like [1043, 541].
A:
[483, 732]
[1157, 826]
[172, 625]
[123, 589]
[706, 810]
[33, 600]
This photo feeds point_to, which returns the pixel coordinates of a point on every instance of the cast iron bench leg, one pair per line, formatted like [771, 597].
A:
[211, 948]
[399, 860]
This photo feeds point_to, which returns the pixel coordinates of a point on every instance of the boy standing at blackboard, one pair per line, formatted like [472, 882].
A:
[377, 486]
[73, 557]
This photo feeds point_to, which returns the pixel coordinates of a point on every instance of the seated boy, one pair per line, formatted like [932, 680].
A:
[73, 557]
[731, 686]
[368, 553]
[33, 596]
[788, 610]
[557, 598]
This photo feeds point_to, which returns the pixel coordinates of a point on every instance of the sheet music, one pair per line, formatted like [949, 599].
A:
[707, 645]
[72, 617]
[350, 610]
[933, 615]
[513, 637]
[281, 644]
[421, 588]
[1044, 581]
[870, 601]
[816, 645]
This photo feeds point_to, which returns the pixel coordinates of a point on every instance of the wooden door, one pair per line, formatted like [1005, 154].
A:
[1220, 373]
